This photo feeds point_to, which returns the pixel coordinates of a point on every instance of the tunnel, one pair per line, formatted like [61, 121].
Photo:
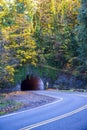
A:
[32, 83]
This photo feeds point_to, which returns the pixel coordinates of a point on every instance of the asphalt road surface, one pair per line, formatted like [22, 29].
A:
[68, 112]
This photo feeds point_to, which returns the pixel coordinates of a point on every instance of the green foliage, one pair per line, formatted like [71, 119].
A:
[54, 22]
[17, 46]
[35, 31]
[82, 32]
[8, 106]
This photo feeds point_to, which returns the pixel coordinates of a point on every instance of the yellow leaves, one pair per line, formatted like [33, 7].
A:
[3, 8]
[28, 57]
[9, 73]
[20, 0]
[23, 61]
[53, 6]
[8, 79]
[2, 14]
[68, 11]
[33, 63]
[6, 47]
[33, 46]
[2, 2]
[34, 53]
[10, 68]
[49, 26]
[14, 46]
[20, 52]
[32, 42]
[25, 34]
[17, 30]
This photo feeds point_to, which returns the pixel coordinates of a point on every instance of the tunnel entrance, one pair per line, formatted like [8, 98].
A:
[32, 83]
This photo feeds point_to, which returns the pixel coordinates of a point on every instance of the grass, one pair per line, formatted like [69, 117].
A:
[8, 106]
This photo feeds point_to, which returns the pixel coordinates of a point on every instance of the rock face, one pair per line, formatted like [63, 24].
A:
[66, 81]
[32, 83]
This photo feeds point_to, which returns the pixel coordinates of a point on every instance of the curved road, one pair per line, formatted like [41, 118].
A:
[68, 112]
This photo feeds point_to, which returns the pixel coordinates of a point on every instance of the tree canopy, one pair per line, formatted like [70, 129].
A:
[49, 32]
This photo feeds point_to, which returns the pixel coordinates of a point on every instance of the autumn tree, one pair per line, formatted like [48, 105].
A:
[4, 54]
[41, 31]
[42, 22]
[19, 46]
[65, 20]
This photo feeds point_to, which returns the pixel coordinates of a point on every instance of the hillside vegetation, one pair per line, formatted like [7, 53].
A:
[42, 36]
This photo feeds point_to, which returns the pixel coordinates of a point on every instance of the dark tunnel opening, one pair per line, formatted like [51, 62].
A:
[32, 83]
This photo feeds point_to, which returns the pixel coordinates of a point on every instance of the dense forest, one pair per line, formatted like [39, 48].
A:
[42, 35]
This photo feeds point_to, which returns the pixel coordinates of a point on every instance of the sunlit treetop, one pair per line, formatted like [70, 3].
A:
[9, 1]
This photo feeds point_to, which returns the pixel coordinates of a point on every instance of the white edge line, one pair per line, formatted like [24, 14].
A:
[54, 119]
[58, 99]
[81, 95]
